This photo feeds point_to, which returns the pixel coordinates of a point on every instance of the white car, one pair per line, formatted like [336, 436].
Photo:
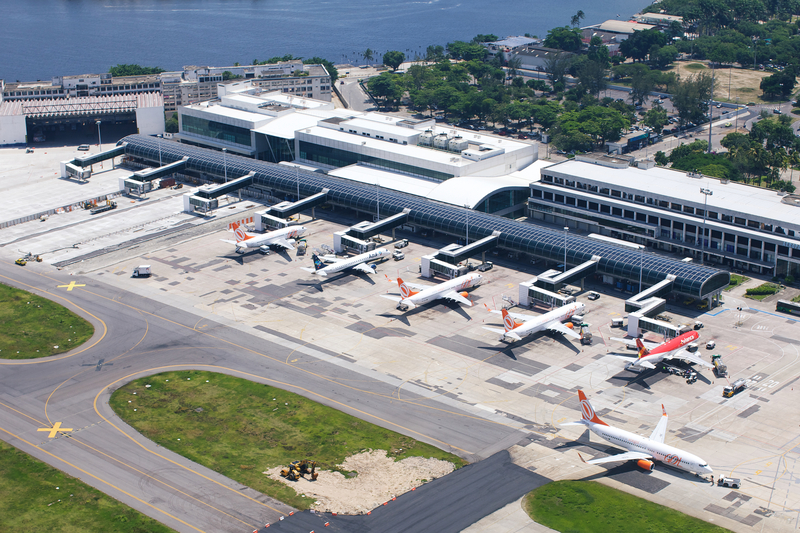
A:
[398, 255]
[710, 345]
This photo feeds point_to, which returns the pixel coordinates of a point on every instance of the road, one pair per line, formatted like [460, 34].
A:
[136, 336]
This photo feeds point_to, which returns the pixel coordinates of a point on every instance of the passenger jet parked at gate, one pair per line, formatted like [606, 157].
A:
[415, 295]
[650, 354]
[284, 237]
[643, 450]
[513, 330]
[359, 263]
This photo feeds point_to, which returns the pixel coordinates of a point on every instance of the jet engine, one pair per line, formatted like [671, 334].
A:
[465, 294]
[570, 325]
[644, 464]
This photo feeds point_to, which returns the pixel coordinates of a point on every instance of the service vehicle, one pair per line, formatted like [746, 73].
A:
[710, 345]
[720, 370]
[142, 271]
[401, 244]
[593, 295]
[734, 388]
[483, 267]
[397, 255]
[731, 482]
[83, 148]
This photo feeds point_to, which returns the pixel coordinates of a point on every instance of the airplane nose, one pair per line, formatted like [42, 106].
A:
[708, 470]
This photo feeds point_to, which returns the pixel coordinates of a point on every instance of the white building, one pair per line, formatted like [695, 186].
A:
[745, 227]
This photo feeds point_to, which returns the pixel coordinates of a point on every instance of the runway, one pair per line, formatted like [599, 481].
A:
[137, 336]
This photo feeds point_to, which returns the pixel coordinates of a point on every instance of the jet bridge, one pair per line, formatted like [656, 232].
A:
[366, 231]
[77, 168]
[553, 280]
[530, 293]
[286, 209]
[142, 180]
[642, 307]
[447, 261]
[222, 189]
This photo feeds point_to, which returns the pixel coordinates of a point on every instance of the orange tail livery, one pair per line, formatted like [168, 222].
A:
[405, 290]
[587, 411]
[508, 322]
[643, 351]
[241, 234]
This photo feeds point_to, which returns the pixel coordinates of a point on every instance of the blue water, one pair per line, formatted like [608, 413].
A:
[40, 39]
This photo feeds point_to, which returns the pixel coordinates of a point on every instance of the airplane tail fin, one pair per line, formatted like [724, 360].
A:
[643, 351]
[240, 233]
[318, 264]
[405, 290]
[587, 411]
[508, 321]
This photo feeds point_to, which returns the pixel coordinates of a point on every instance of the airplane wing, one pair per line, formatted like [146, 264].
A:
[456, 297]
[494, 330]
[689, 357]
[645, 364]
[555, 325]
[516, 316]
[661, 429]
[391, 297]
[627, 456]
[329, 258]
[364, 267]
[282, 242]
[229, 242]
[631, 343]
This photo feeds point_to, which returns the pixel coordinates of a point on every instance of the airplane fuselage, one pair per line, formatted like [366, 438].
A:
[353, 261]
[661, 452]
[663, 351]
[290, 232]
[536, 325]
[437, 291]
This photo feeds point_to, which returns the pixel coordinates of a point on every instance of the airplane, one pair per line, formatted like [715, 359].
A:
[284, 237]
[652, 354]
[514, 330]
[643, 450]
[358, 262]
[415, 295]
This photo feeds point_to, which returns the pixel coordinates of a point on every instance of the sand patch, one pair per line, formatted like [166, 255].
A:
[379, 479]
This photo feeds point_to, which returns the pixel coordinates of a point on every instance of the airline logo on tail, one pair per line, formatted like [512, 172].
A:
[643, 351]
[587, 411]
[317, 262]
[240, 233]
[405, 290]
[508, 321]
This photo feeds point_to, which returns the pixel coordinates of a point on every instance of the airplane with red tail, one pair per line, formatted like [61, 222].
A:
[650, 354]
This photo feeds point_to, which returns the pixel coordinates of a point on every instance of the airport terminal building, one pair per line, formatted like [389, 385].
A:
[746, 228]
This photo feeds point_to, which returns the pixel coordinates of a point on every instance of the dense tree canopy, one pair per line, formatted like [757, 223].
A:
[564, 38]
[393, 59]
[134, 70]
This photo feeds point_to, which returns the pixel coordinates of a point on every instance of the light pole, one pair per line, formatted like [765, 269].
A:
[99, 139]
[711, 111]
[641, 266]
[566, 230]
[736, 127]
[225, 162]
[297, 178]
[707, 193]
[467, 208]
[160, 135]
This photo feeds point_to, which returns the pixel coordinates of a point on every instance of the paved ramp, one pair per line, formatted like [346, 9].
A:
[448, 504]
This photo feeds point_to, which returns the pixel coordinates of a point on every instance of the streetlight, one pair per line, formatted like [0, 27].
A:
[378, 194]
[566, 230]
[467, 208]
[160, 135]
[641, 266]
[707, 193]
[99, 139]
[736, 127]
[225, 162]
[297, 178]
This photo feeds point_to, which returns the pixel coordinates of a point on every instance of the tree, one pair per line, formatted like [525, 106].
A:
[386, 88]
[368, 55]
[576, 18]
[637, 46]
[690, 96]
[325, 63]
[172, 124]
[661, 158]
[642, 84]
[661, 57]
[434, 53]
[780, 84]
[564, 38]
[485, 38]
[393, 59]
[466, 51]
[228, 75]
[592, 76]
[133, 70]
[556, 66]
[656, 118]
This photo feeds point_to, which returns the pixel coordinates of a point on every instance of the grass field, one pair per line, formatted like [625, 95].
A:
[240, 428]
[589, 507]
[729, 83]
[32, 326]
[35, 497]
[736, 280]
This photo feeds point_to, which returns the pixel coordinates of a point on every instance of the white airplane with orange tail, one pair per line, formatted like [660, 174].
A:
[415, 295]
[516, 326]
[284, 237]
[643, 450]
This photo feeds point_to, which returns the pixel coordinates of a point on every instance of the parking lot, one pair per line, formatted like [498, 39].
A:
[442, 353]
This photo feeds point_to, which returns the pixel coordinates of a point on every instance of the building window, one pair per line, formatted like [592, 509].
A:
[712, 215]
[638, 198]
[594, 206]
[753, 224]
[548, 179]
[548, 196]
[663, 203]
[743, 241]
[215, 130]
[739, 220]
[755, 244]
[605, 208]
[582, 203]
[560, 198]
[604, 190]
[652, 220]
[641, 217]
[616, 211]
[687, 209]
[570, 200]
[536, 193]
[676, 207]
[616, 193]
[628, 214]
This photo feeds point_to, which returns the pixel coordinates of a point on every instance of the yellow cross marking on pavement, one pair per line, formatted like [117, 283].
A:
[71, 285]
[55, 429]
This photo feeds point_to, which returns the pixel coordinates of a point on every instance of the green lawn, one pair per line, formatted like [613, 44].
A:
[240, 428]
[762, 291]
[589, 507]
[32, 326]
[35, 497]
[736, 280]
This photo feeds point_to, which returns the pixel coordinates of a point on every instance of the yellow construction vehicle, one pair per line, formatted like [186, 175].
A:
[298, 469]
[21, 261]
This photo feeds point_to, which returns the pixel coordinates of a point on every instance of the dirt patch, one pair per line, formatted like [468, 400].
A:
[743, 83]
[379, 479]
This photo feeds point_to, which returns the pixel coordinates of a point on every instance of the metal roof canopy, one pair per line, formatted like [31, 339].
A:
[524, 237]
[89, 160]
[284, 210]
[456, 255]
[226, 188]
[376, 228]
[556, 280]
[151, 174]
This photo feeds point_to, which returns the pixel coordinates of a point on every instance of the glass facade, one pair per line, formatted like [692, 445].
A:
[278, 150]
[341, 158]
[215, 130]
[522, 237]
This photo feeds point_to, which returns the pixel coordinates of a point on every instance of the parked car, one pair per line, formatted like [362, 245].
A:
[593, 296]
[83, 148]
[398, 255]
[488, 265]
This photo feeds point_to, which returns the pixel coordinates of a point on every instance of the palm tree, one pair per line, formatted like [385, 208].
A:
[368, 55]
[794, 160]
[576, 18]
